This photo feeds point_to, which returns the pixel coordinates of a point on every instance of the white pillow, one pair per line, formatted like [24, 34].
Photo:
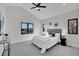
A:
[57, 34]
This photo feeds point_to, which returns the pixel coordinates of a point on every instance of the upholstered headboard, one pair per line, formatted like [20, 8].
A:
[54, 30]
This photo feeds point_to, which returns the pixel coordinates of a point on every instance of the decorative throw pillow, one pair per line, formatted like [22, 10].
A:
[53, 34]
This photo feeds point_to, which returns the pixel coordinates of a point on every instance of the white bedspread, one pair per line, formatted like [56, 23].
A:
[45, 42]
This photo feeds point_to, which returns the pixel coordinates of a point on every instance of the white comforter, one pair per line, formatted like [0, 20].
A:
[45, 42]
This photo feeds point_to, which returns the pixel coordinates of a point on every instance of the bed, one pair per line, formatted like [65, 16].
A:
[46, 42]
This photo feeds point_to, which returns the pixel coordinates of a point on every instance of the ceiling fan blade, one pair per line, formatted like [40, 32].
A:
[32, 7]
[38, 4]
[34, 4]
[42, 6]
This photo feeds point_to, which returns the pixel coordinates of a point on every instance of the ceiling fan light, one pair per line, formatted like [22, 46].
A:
[37, 8]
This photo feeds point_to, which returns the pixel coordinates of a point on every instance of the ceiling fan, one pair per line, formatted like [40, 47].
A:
[37, 6]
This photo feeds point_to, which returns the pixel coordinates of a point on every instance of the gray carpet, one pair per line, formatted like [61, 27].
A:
[28, 49]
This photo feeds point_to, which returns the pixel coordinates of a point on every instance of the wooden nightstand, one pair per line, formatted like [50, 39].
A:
[63, 41]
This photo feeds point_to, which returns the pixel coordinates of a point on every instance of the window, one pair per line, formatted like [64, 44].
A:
[26, 28]
[0, 27]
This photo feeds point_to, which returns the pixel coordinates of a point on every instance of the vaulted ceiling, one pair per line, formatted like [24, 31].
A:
[52, 9]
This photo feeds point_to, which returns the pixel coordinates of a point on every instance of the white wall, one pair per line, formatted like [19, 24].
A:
[62, 21]
[16, 15]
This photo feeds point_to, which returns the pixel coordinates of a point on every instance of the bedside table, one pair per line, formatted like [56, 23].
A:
[63, 41]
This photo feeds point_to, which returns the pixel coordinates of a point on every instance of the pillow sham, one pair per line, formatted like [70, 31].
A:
[52, 34]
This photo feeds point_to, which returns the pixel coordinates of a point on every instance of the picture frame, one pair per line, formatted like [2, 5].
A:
[73, 26]
[43, 27]
[50, 23]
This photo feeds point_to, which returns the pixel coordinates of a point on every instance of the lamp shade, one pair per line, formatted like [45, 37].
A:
[63, 32]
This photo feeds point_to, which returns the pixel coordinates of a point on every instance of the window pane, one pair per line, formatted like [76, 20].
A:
[24, 25]
[30, 26]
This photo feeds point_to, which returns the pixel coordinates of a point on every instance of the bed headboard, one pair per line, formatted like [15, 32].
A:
[54, 30]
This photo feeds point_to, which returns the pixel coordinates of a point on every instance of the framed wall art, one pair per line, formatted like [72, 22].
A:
[73, 26]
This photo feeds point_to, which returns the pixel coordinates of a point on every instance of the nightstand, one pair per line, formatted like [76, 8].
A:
[63, 41]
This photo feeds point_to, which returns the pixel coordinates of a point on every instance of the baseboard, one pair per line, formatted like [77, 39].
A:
[18, 42]
[73, 45]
